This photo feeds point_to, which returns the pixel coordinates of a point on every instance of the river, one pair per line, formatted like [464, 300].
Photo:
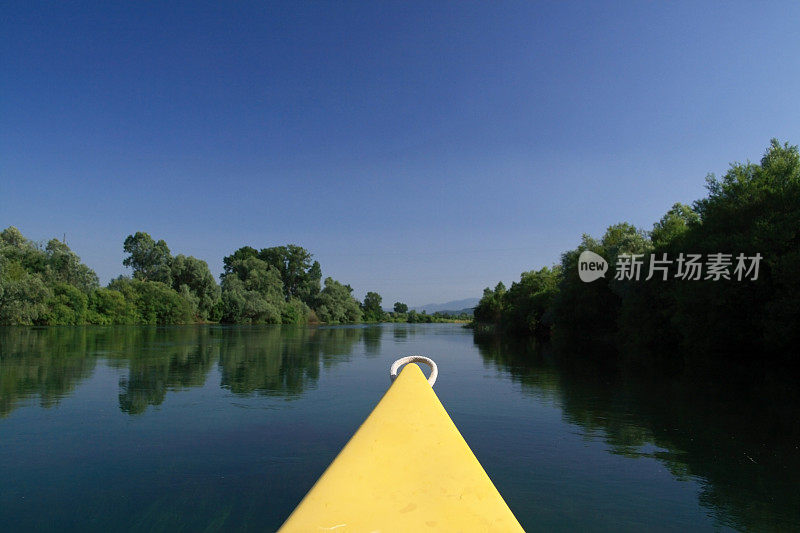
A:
[225, 428]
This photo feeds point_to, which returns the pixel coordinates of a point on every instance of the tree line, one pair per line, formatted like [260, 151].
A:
[752, 211]
[49, 285]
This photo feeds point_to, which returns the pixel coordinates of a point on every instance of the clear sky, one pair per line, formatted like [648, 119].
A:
[420, 150]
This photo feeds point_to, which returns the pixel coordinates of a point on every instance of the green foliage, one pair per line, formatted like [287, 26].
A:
[336, 304]
[64, 266]
[53, 264]
[528, 301]
[298, 274]
[49, 285]
[150, 260]
[155, 302]
[23, 295]
[673, 225]
[12, 237]
[14, 248]
[524, 308]
[295, 312]
[252, 293]
[400, 307]
[753, 209]
[189, 278]
[413, 317]
[192, 278]
[373, 312]
[586, 313]
[106, 307]
[67, 306]
[274, 285]
[245, 252]
[41, 286]
[490, 308]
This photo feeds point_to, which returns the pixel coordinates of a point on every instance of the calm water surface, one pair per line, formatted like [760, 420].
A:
[226, 428]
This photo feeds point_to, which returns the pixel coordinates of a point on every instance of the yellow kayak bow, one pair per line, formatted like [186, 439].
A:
[407, 469]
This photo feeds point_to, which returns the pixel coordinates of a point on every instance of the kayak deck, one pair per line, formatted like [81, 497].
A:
[407, 468]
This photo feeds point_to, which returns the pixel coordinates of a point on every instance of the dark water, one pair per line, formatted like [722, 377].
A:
[217, 428]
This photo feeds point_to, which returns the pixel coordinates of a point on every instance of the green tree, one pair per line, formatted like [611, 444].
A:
[23, 295]
[400, 308]
[585, 314]
[245, 252]
[39, 285]
[67, 306]
[490, 308]
[372, 307]
[673, 225]
[295, 312]
[753, 209]
[155, 302]
[107, 307]
[17, 249]
[64, 266]
[13, 237]
[336, 304]
[150, 260]
[527, 303]
[300, 276]
[191, 275]
[252, 292]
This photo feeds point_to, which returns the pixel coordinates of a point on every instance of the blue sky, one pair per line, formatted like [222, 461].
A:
[420, 150]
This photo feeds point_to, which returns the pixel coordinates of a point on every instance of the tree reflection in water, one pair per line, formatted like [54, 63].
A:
[43, 363]
[50, 363]
[736, 432]
[282, 361]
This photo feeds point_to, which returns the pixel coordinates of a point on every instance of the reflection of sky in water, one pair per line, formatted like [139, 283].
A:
[228, 427]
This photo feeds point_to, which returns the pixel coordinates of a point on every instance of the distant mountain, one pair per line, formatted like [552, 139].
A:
[456, 306]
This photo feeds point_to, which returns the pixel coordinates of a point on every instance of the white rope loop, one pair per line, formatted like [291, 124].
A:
[414, 359]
